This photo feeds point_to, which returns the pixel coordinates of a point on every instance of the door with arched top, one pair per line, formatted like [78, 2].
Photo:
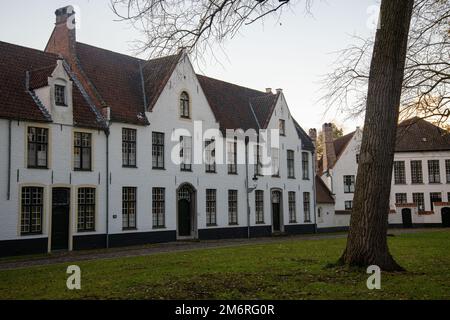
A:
[276, 211]
[186, 206]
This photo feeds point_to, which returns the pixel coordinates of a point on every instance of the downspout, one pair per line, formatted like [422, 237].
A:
[314, 191]
[247, 187]
[8, 196]
[107, 187]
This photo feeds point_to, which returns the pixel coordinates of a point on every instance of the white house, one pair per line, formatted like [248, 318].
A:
[100, 149]
[420, 191]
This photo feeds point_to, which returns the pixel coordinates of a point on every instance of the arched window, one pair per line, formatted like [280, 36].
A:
[184, 105]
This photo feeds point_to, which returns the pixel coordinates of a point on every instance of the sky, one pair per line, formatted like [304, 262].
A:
[292, 53]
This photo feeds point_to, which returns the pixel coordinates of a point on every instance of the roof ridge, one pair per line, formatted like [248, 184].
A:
[28, 48]
[239, 86]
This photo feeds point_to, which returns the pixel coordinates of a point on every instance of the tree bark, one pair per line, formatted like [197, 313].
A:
[367, 239]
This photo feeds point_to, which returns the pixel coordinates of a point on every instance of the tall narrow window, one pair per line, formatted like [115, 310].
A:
[349, 184]
[37, 148]
[211, 207]
[60, 95]
[358, 158]
[292, 207]
[186, 153]
[416, 172]
[184, 106]
[447, 170]
[232, 156]
[129, 208]
[435, 197]
[433, 171]
[305, 165]
[210, 156]
[86, 209]
[82, 151]
[233, 207]
[158, 150]
[129, 147]
[419, 200]
[401, 198]
[32, 210]
[282, 127]
[399, 172]
[307, 206]
[291, 163]
[159, 208]
[259, 206]
[258, 162]
[275, 162]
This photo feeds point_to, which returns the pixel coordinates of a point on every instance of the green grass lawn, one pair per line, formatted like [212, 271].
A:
[286, 270]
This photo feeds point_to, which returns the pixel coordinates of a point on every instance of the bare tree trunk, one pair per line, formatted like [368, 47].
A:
[367, 240]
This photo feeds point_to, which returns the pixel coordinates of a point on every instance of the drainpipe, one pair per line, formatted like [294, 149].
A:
[247, 187]
[8, 196]
[107, 188]
[314, 191]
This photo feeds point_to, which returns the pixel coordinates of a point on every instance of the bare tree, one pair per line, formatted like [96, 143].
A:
[426, 86]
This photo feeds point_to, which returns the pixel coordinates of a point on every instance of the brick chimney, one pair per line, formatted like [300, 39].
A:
[313, 135]
[329, 153]
[63, 39]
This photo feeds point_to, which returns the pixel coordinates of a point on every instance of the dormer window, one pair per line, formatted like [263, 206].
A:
[282, 127]
[184, 106]
[60, 95]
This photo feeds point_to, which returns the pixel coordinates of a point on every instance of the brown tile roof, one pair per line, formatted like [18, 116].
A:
[420, 135]
[19, 65]
[128, 85]
[341, 143]
[323, 194]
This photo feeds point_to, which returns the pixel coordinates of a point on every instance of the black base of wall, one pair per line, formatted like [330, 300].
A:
[300, 229]
[234, 233]
[416, 225]
[135, 239]
[90, 242]
[332, 229]
[23, 247]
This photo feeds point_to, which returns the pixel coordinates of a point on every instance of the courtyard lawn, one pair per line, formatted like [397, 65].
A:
[286, 270]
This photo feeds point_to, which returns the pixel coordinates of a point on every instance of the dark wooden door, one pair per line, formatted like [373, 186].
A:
[60, 218]
[407, 218]
[184, 218]
[445, 217]
[276, 211]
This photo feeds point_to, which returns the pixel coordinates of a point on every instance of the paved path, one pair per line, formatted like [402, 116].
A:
[182, 246]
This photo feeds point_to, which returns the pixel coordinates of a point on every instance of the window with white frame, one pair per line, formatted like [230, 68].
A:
[129, 208]
[159, 208]
[185, 111]
[282, 127]
[292, 207]
[305, 165]
[307, 206]
[399, 172]
[259, 206]
[82, 151]
[435, 197]
[232, 156]
[419, 200]
[186, 153]
[158, 150]
[86, 209]
[210, 156]
[401, 198]
[129, 148]
[37, 148]
[32, 209]
[348, 205]
[434, 175]
[291, 163]
[211, 207]
[447, 170]
[416, 172]
[60, 95]
[232, 207]
[349, 184]
[275, 162]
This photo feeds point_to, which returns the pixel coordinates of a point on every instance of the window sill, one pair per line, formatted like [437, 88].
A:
[31, 234]
[38, 168]
[294, 222]
[417, 183]
[129, 167]
[83, 170]
[260, 223]
[211, 225]
[86, 231]
[61, 105]
[211, 172]
[159, 169]
[159, 228]
[186, 170]
[434, 183]
[129, 229]
[292, 178]
[233, 224]
[276, 176]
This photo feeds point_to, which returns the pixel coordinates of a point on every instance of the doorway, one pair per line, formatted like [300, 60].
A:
[407, 218]
[186, 200]
[276, 211]
[60, 218]
[445, 212]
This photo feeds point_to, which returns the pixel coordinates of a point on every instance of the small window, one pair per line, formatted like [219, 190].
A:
[129, 147]
[401, 198]
[37, 148]
[186, 153]
[305, 165]
[291, 164]
[158, 150]
[159, 208]
[419, 200]
[129, 208]
[259, 206]
[282, 127]
[232, 156]
[258, 160]
[349, 184]
[211, 207]
[348, 205]
[86, 209]
[32, 210]
[292, 207]
[184, 106]
[232, 207]
[210, 156]
[60, 95]
[82, 151]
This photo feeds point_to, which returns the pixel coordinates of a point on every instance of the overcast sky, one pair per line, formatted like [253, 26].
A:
[292, 54]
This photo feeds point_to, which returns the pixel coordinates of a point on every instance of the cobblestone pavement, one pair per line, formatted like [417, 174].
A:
[181, 246]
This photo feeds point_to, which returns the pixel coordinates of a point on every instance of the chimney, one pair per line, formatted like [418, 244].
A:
[329, 153]
[313, 135]
[268, 90]
[279, 91]
[63, 39]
